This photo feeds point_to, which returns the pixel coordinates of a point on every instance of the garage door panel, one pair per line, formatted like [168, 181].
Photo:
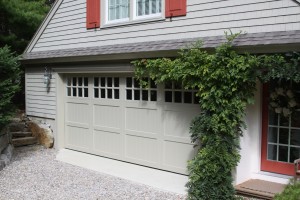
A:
[176, 155]
[112, 116]
[177, 123]
[107, 116]
[103, 143]
[142, 149]
[79, 138]
[78, 113]
[143, 119]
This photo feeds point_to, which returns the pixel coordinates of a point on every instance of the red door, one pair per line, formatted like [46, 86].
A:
[280, 134]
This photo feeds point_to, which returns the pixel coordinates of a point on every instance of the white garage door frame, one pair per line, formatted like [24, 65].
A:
[166, 158]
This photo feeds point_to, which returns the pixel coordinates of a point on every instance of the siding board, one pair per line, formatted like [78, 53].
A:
[40, 101]
[277, 16]
[207, 17]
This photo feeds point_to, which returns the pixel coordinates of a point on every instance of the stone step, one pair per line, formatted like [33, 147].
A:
[20, 134]
[24, 141]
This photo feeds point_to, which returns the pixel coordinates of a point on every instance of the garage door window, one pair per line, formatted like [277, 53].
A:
[77, 87]
[175, 93]
[134, 91]
[107, 87]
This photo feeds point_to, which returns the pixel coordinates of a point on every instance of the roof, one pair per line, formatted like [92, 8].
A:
[263, 42]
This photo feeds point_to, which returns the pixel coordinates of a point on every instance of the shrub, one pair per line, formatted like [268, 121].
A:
[291, 192]
[9, 83]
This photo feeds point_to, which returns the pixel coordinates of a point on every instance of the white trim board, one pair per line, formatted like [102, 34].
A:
[163, 180]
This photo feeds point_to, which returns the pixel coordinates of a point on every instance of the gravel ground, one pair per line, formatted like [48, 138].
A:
[34, 174]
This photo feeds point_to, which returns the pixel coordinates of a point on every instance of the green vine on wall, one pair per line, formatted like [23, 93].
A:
[226, 83]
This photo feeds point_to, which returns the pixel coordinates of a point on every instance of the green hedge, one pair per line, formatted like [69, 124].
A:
[9, 84]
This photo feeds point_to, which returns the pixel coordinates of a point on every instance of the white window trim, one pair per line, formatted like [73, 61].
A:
[133, 18]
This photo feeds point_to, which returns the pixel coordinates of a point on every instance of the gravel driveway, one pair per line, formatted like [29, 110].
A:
[34, 174]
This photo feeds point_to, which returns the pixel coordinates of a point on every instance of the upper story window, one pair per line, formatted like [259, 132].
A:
[128, 10]
[120, 11]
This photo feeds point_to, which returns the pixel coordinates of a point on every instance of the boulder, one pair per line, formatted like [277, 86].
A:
[43, 134]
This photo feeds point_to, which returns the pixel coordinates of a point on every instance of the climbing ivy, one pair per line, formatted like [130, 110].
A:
[226, 83]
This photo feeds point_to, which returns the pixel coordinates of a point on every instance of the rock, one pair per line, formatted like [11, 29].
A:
[4, 139]
[8, 151]
[42, 133]
[4, 158]
[17, 142]
[16, 126]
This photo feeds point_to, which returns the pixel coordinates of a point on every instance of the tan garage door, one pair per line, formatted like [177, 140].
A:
[111, 116]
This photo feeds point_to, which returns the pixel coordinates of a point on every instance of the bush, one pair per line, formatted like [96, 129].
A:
[9, 84]
[291, 192]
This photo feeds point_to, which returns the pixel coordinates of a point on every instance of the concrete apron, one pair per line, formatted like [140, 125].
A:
[166, 181]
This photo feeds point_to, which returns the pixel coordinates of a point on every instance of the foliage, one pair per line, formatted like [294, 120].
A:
[9, 83]
[19, 20]
[226, 82]
[280, 67]
[291, 192]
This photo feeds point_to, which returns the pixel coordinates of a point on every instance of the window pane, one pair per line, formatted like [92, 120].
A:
[102, 82]
[109, 93]
[145, 95]
[128, 94]
[109, 82]
[294, 154]
[152, 84]
[116, 94]
[80, 81]
[272, 152]
[136, 95]
[136, 83]
[128, 82]
[153, 96]
[96, 82]
[284, 121]
[273, 118]
[295, 138]
[168, 85]
[86, 92]
[74, 81]
[80, 92]
[69, 81]
[177, 85]
[188, 97]
[295, 119]
[177, 97]
[283, 154]
[74, 92]
[96, 93]
[147, 7]
[69, 92]
[116, 82]
[272, 135]
[168, 96]
[283, 136]
[118, 9]
[102, 93]
[86, 81]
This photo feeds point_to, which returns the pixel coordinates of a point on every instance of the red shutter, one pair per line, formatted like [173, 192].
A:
[175, 8]
[92, 14]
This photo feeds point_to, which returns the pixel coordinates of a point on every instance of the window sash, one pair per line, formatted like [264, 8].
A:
[118, 9]
[147, 7]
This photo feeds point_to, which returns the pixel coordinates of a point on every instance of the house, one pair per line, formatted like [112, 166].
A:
[84, 48]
